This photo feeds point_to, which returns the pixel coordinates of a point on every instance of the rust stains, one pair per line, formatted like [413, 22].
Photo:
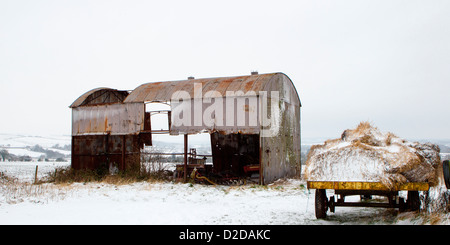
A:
[163, 91]
[110, 127]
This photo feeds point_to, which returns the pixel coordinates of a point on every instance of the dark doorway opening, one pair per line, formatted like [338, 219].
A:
[236, 156]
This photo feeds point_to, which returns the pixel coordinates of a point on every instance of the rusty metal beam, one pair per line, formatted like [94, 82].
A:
[185, 157]
[122, 167]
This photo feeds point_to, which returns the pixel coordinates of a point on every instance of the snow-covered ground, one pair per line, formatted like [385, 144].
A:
[285, 202]
[25, 171]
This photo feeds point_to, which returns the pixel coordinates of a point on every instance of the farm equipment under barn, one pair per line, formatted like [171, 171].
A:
[199, 171]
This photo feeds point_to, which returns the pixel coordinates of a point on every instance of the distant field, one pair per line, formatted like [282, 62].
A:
[25, 171]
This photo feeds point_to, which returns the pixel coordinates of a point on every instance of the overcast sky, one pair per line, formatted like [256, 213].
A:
[387, 62]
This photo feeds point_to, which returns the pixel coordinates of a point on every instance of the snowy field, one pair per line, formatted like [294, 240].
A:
[25, 171]
[286, 202]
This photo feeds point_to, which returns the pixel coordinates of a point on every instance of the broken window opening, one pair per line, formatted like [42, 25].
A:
[157, 117]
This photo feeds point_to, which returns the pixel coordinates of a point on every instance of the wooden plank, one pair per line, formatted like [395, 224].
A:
[355, 185]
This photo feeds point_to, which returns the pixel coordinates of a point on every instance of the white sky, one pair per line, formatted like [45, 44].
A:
[385, 61]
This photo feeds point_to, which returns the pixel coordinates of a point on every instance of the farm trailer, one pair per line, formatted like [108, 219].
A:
[364, 189]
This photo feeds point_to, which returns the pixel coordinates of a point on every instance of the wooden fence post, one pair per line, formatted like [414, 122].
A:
[35, 175]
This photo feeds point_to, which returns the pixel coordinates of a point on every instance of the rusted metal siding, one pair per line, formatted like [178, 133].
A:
[280, 154]
[243, 118]
[105, 151]
[119, 118]
[247, 100]
[106, 132]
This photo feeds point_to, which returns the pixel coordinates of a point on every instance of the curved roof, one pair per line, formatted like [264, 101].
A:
[100, 96]
[163, 91]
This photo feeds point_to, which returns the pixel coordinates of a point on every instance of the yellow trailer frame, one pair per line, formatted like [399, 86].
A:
[364, 189]
[369, 186]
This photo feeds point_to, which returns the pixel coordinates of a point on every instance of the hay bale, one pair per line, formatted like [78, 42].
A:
[367, 154]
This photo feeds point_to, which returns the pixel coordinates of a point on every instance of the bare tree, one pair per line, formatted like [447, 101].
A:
[4, 154]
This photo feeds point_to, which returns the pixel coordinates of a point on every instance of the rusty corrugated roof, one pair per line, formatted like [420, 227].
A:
[164, 91]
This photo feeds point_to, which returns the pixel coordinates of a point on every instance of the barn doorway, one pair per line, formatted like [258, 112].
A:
[236, 156]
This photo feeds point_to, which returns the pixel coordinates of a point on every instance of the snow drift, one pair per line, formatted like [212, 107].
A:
[367, 154]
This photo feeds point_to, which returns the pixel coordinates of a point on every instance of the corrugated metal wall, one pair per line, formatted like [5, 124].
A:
[280, 154]
[105, 131]
[103, 151]
[119, 118]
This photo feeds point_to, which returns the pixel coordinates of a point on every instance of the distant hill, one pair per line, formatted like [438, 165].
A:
[59, 146]
[29, 147]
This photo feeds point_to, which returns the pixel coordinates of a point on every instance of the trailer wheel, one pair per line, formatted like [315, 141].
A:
[413, 202]
[446, 168]
[321, 204]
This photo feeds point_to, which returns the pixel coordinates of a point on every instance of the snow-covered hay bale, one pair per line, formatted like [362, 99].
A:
[366, 154]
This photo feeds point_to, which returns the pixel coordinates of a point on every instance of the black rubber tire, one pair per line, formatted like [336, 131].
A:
[321, 204]
[413, 202]
[446, 168]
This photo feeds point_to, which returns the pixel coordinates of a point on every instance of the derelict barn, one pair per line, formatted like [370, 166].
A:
[253, 122]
